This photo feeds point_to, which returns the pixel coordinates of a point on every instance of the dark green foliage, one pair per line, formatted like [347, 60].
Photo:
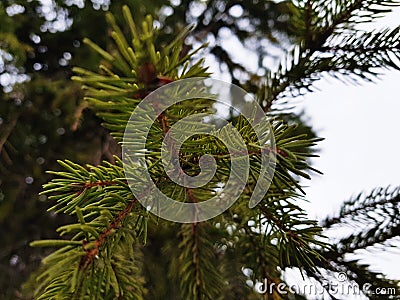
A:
[110, 246]
[86, 194]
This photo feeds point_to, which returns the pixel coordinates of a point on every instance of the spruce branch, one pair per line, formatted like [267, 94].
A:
[100, 253]
[375, 218]
[196, 263]
[110, 222]
[330, 44]
[376, 213]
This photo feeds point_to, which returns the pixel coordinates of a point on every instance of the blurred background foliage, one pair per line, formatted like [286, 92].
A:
[42, 116]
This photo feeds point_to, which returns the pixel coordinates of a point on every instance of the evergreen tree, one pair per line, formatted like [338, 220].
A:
[114, 248]
[41, 116]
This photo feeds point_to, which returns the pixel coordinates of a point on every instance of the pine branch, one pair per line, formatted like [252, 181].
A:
[260, 264]
[379, 210]
[197, 269]
[98, 255]
[113, 92]
[324, 30]
[298, 237]
[231, 270]
[375, 215]
[110, 222]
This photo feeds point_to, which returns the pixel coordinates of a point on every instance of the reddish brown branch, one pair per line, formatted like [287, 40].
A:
[91, 253]
[265, 150]
[164, 122]
[88, 185]
[158, 82]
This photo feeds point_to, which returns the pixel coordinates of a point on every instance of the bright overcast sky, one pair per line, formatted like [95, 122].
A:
[362, 144]
[360, 151]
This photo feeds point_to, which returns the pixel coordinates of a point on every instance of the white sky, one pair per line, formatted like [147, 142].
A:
[362, 143]
[360, 124]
